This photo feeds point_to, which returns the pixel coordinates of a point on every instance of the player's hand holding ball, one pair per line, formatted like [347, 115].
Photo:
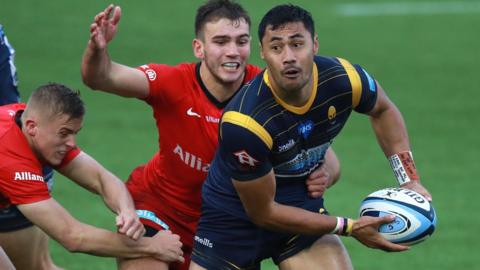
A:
[365, 230]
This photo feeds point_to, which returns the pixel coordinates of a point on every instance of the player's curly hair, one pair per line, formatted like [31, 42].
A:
[214, 10]
[283, 14]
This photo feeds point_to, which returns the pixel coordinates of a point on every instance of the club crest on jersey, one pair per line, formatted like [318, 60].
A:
[332, 113]
[245, 158]
[305, 129]
[152, 75]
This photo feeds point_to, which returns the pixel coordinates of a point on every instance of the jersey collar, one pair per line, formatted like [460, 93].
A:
[297, 110]
[210, 97]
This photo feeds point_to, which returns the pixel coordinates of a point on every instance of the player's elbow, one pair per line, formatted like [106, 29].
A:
[90, 82]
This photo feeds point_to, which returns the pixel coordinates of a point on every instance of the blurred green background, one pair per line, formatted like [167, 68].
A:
[425, 54]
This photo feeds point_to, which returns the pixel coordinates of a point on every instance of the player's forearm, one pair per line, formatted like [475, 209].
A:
[96, 67]
[115, 193]
[295, 220]
[101, 242]
[391, 131]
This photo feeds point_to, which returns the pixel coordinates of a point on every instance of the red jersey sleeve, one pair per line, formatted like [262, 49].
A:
[165, 82]
[23, 184]
[69, 157]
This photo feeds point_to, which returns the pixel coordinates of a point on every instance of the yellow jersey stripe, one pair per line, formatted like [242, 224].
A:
[249, 123]
[355, 81]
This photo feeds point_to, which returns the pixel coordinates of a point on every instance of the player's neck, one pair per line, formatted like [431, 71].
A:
[220, 90]
[294, 97]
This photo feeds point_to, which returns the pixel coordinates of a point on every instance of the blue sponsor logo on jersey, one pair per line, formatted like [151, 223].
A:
[371, 83]
[305, 129]
[303, 163]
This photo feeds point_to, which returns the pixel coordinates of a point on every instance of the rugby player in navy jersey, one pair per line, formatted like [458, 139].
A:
[187, 100]
[272, 134]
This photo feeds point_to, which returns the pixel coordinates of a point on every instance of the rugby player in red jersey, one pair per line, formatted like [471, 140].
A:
[43, 133]
[187, 102]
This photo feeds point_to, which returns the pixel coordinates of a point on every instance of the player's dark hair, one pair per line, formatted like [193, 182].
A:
[214, 10]
[58, 99]
[283, 14]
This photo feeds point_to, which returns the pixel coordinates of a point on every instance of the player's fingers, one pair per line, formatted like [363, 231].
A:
[315, 194]
[120, 223]
[391, 247]
[99, 17]
[117, 13]
[108, 9]
[385, 219]
[134, 230]
[317, 173]
[426, 194]
[139, 233]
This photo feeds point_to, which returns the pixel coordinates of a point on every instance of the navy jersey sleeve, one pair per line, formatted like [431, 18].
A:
[368, 95]
[364, 87]
[244, 146]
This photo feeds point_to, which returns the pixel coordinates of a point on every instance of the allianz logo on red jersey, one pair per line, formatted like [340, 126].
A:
[28, 176]
[191, 160]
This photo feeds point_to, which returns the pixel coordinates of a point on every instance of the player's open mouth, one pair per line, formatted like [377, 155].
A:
[291, 73]
[231, 65]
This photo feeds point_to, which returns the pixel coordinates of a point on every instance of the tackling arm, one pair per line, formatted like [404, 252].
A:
[52, 218]
[325, 176]
[87, 172]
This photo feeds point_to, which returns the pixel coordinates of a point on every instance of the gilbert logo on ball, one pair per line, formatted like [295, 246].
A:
[415, 218]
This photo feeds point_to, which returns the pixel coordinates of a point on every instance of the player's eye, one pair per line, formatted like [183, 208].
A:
[243, 42]
[220, 41]
[275, 48]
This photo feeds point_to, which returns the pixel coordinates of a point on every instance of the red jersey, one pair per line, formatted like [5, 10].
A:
[187, 118]
[21, 178]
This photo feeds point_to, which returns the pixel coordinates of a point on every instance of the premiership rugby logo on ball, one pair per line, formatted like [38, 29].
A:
[415, 218]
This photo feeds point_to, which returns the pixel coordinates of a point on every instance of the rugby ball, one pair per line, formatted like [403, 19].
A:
[415, 218]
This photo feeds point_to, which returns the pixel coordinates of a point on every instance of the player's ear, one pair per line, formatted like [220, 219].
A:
[315, 44]
[198, 50]
[261, 51]
[31, 127]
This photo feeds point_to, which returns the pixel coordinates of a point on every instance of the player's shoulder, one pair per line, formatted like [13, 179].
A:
[251, 71]
[155, 69]
[330, 63]
[7, 116]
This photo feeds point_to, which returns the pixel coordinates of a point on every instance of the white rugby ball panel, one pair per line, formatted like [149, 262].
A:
[415, 218]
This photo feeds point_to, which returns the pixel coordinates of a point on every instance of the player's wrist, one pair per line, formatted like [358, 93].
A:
[403, 167]
[343, 227]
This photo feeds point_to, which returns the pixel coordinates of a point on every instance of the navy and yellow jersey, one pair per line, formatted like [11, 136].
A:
[259, 131]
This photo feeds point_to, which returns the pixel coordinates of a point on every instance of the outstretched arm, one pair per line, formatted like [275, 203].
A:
[88, 173]
[99, 71]
[391, 132]
[53, 219]
[258, 195]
